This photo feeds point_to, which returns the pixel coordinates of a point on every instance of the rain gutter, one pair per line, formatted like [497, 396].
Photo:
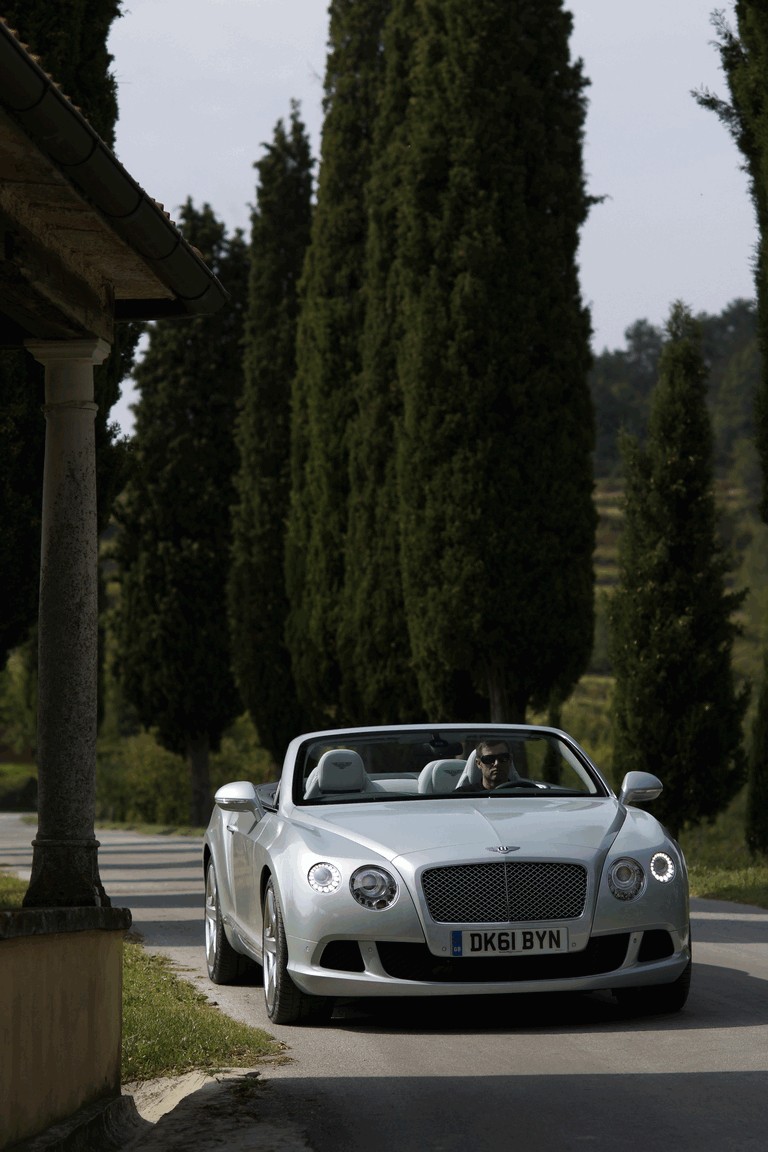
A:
[60, 131]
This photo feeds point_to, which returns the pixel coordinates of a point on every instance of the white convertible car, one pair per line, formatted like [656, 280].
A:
[444, 861]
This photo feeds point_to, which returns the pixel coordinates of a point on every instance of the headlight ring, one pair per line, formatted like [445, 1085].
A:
[663, 867]
[324, 877]
[626, 878]
[373, 887]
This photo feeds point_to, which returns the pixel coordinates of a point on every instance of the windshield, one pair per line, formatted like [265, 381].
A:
[451, 764]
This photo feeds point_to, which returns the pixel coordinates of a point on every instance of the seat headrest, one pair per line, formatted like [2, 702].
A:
[341, 770]
[440, 776]
[471, 770]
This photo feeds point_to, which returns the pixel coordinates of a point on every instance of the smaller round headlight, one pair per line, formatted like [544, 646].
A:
[626, 878]
[662, 868]
[373, 887]
[324, 877]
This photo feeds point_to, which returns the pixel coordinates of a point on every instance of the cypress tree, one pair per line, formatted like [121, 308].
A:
[494, 454]
[22, 451]
[328, 355]
[280, 225]
[173, 549]
[378, 684]
[744, 57]
[70, 37]
[677, 710]
[757, 808]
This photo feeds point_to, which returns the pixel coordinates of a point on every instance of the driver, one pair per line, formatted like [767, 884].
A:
[495, 761]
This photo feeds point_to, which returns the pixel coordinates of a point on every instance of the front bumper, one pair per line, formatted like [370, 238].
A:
[393, 968]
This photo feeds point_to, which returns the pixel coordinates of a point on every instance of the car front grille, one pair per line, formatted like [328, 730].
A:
[505, 891]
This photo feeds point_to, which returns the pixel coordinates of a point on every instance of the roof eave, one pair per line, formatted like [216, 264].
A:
[61, 132]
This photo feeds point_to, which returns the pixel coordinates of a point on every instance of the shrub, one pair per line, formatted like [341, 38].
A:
[18, 788]
[241, 757]
[138, 781]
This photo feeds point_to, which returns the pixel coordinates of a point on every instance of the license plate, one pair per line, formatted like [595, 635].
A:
[512, 941]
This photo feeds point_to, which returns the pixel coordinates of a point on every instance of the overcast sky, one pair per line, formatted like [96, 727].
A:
[201, 84]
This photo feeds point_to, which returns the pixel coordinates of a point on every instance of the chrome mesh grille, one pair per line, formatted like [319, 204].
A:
[505, 891]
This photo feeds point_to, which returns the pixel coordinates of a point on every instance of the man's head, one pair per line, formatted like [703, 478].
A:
[495, 762]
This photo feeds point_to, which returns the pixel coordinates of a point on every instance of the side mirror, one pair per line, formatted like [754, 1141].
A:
[240, 796]
[639, 787]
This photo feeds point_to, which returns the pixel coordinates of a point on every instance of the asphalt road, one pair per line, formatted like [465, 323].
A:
[543, 1072]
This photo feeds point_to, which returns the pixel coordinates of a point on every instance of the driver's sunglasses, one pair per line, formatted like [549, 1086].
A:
[493, 757]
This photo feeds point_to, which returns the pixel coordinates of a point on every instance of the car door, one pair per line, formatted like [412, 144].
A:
[246, 832]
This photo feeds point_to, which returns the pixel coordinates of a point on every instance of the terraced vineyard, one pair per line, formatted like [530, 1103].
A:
[608, 497]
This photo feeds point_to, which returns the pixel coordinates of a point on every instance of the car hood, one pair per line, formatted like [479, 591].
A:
[429, 829]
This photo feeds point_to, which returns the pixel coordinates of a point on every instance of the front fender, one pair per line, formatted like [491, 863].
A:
[659, 905]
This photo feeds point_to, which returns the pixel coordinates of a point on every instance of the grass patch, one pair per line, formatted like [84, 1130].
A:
[11, 891]
[748, 885]
[170, 1028]
[719, 862]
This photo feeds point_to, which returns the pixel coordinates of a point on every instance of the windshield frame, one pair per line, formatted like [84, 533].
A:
[428, 741]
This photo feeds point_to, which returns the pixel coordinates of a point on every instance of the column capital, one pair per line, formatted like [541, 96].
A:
[93, 350]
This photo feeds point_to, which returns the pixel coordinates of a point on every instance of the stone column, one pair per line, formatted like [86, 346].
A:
[65, 869]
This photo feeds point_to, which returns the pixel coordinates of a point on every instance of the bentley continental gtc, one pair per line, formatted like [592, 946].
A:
[452, 860]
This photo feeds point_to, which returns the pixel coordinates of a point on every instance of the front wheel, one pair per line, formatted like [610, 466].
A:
[657, 998]
[224, 964]
[286, 1004]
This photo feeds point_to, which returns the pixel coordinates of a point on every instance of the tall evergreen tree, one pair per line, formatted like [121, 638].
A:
[622, 382]
[175, 536]
[70, 37]
[22, 450]
[494, 457]
[744, 57]
[378, 682]
[280, 226]
[757, 808]
[677, 710]
[328, 354]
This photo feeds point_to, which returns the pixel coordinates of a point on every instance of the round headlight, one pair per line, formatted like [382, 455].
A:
[626, 879]
[373, 887]
[662, 868]
[324, 877]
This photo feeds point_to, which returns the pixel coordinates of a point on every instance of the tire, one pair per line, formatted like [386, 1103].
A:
[285, 1003]
[654, 999]
[224, 964]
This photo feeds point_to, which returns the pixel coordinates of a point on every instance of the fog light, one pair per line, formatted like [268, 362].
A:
[626, 879]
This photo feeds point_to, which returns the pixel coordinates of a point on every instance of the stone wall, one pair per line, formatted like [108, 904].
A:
[60, 1015]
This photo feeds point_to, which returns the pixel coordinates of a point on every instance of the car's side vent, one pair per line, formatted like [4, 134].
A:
[342, 956]
[655, 945]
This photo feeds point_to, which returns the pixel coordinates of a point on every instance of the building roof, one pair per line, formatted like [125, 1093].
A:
[81, 243]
